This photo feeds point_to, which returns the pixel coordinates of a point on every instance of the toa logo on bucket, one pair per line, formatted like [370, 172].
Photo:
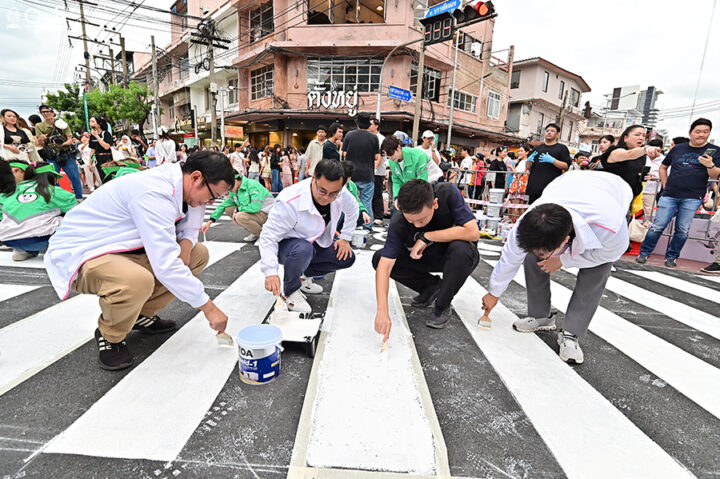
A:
[259, 358]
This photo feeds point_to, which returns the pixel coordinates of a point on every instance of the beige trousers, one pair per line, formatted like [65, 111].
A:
[648, 202]
[128, 288]
[253, 222]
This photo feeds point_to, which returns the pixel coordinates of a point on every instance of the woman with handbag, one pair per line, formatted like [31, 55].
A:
[16, 140]
[100, 143]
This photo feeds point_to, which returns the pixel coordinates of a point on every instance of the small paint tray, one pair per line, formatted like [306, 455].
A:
[298, 328]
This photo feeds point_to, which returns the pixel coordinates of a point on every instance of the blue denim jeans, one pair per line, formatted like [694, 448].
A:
[31, 245]
[667, 208]
[366, 190]
[276, 181]
[73, 173]
[299, 256]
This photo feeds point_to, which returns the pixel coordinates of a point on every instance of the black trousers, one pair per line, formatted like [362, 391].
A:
[377, 201]
[455, 260]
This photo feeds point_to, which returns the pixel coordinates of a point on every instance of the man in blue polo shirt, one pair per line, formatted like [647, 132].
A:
[433, 231]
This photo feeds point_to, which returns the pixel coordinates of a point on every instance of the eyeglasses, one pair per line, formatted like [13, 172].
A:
[323, 192]
[46, 112]
[212, 195]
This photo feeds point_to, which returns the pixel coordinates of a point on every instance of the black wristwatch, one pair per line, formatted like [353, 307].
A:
[422, 238]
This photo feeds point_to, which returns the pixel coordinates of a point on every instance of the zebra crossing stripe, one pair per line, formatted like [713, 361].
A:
[6, 261]
[489, 247]
[183, 377]
[691, 376]
[59, 330]
[371, 411]
[11, 290]
[587, 435]
[685, 286]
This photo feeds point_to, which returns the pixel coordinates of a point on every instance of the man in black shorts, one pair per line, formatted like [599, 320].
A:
[433, 231]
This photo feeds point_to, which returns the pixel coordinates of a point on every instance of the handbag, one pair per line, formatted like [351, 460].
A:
[637, 230]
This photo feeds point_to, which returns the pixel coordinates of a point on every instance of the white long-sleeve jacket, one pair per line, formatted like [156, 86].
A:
[598, 203]
[141, 210]
[294, 216]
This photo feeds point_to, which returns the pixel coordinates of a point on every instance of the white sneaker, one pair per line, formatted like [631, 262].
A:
[20, 255]
[249, 238]
[297, 302]
[378, 222]
[310, 287]
[570, 351]
[530, 325]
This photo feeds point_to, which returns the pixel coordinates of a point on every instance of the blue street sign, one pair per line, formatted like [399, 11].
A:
[399, 93]
[448, 6]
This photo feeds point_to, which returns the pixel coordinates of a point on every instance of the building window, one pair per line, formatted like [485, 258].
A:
[493, 106]
[574, 97]
[431, 82]
[541, 123]
[184, 67]
[562, 89]
[261, 82]
[346, 11]
[464, 101]
[515, 79]
[261, 22]
[546, 80]
[171, 109]
[469, 44]
[232, 91]
[344, 73]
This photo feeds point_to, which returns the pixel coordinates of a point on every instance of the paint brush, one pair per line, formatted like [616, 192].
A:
[224, 339]
[485, 322]
[384, 347]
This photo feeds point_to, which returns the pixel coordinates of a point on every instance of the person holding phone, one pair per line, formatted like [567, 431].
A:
[683, 190]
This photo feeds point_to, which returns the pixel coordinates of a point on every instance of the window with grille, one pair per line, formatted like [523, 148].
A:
[233, 91]
[344, 73]
[515, 79]
[562, 90]
[261, 82]
[469, 44]
[464, 101]
[431, 82]
[261, 22]
[574, 97]
[493, 106]
[546, 80]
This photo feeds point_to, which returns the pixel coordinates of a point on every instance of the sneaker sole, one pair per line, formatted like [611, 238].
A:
[570, 360]
[156, 331]
[540, 328]
[115, 368]
[311, 292]
[715, 273]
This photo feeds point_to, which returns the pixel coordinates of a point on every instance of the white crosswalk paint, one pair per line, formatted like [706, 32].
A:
[8, 291]
[368, 413]
[32, 344]
[681, 285]
[7, 261]
[587, 435]
[681, 313]
[489, 247]
[693, 377]
[184, 375]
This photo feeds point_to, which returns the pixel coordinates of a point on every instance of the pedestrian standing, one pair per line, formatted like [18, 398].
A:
[428, 146]
[150, 153]
[361, 148]
[237, 158]
[254, 166]
[627, 158]
[652, 184]
[381, 165]
[606, 141]
[276, 169]
[315, 150]
[165, 148]
[302, 164]
[265, 169]
[55, 139]
[286, 165]
[92, 175]
[330, 147]
[547, 162]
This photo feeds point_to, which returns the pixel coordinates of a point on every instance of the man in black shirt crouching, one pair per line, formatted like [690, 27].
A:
[433, 231]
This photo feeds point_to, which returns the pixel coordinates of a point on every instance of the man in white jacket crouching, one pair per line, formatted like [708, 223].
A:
[578, 222]
[134, 243]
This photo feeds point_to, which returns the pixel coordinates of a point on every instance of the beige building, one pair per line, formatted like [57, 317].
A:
[292, 65]
[539, 90]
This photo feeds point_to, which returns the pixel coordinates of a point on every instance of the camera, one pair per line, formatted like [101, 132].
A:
[56, 139]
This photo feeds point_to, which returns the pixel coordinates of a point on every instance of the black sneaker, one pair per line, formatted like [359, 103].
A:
[438, 318]
[670, 262]
[112, 356]
[426, 298]
[712, 268]
[154, 325]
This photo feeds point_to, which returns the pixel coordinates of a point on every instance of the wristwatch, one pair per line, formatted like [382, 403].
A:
[422, 238]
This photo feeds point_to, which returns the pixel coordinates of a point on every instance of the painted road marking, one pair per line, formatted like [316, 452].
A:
[33, 343]
[693, 377]
[595, 439]
[185, 375]
[685, 286]
[6, 261]
[11, 290]
[489, 247]
[369, 412]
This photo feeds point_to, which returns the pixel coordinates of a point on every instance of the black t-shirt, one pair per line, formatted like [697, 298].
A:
[542, 174]
[18, 137]
[102, 155]
[275, 162]
[452, 211]
[630, 170]
[323, 210]
[688, 177]
[361, 146]
[330, 151]
[497, 165]
[139, 148]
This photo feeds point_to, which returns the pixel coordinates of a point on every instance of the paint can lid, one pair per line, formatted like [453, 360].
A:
[259, 336]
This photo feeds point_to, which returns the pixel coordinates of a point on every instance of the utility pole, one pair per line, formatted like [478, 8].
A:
[418, 92]
[452, 91]
[222, 115]
[213, 85]
[112, 66]
[124, 61]
[156, 106]
[86, 54]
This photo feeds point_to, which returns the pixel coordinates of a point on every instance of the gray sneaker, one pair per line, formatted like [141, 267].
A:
[570, 351]
[641, 259]
[530, 325]
[670, 262]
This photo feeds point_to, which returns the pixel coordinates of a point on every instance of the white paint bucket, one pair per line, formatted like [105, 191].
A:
[492, 225]
[496, 195]
[359, 238]
[259, 353]
[494, 210]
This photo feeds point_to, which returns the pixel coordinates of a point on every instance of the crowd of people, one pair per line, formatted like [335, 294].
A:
[133, 242]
